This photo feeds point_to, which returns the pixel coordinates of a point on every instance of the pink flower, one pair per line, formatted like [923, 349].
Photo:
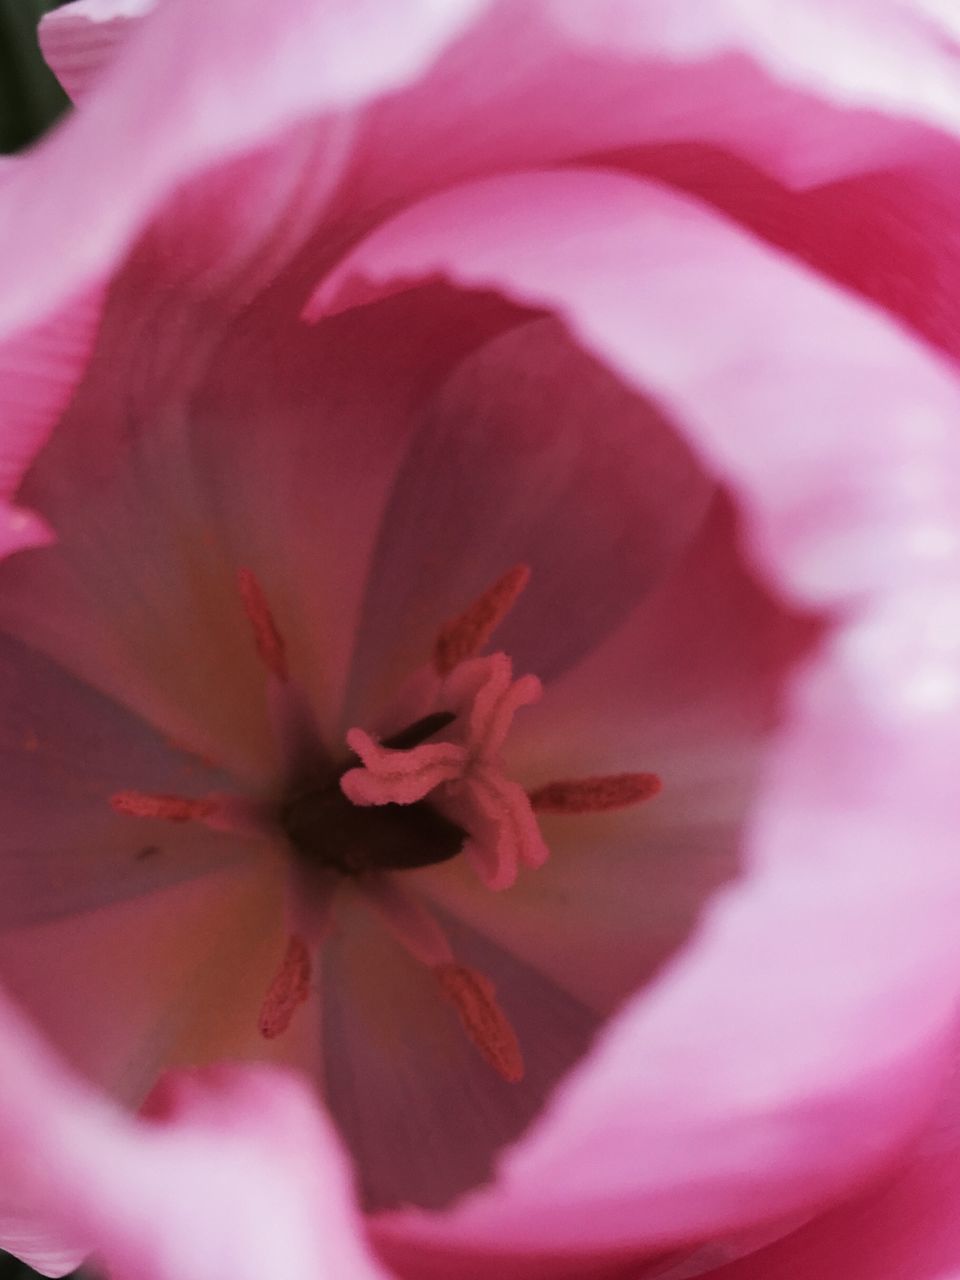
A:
[429, 429]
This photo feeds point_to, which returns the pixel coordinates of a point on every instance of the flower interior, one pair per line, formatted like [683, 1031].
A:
[389, 703]
[429, 792]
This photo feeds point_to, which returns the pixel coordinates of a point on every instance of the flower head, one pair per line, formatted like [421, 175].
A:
[298, 768]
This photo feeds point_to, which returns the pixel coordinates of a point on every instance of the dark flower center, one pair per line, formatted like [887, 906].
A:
[327, 831]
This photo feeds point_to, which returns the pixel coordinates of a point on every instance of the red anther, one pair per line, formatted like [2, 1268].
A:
[483, 1020]
[595, 795]
[465, 635]
[142, 804]
[270, 646]
[288, 990]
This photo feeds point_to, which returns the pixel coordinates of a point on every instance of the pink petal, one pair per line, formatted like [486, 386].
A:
[80, 42]
[154, 616]
[540, 84]
[458, 121]
[143, 136]
[794, 1044]
[226, 1178]
[509, 440]
[626, 298]
[899, 59]
[398, 1064]
[862, 512]
[888, 234]
[175, 976]
[690, 686]
[39, 369]
[904, 1228]
[64, 751]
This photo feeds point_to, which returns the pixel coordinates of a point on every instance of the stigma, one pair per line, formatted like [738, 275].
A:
[433, 791]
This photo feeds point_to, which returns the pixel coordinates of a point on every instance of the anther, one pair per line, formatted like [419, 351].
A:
[269, 641]
[217, 810]
[142, 804]
[595, 795]
[483, 1020]
[289, 989]
[465, 635]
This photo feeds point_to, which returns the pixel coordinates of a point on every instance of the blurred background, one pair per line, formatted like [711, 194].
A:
[30, 97]
[30, 101]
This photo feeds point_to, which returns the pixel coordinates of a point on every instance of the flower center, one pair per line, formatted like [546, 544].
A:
[328, 831]
[419, 797]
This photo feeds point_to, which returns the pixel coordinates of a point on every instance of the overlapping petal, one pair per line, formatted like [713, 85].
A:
[225, 1175]
[895, 57]
[844, 509]
[81, 41]
[847, 487]
[904, 1228]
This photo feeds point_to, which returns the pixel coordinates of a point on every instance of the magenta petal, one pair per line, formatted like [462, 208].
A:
[905, 1228]
[236, 1173]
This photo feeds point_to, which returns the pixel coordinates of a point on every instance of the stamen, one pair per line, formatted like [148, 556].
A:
[595, 795]
[483, 1020]
[219, 810]
[142, 804]
[270, 645]
[465, 635]
[288, 990]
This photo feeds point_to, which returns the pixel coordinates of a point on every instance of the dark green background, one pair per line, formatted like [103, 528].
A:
[30, 97]
[30, 100]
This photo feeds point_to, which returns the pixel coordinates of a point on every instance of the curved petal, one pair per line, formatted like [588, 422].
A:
[81, 41]
[534, 84]
[529, 452]
[749, 1097]
[891, 234]
[142, 136]
[903, 1228]
[836, 433]
[854, 502]
[900, 59]
[226, 1174]
[565, 95]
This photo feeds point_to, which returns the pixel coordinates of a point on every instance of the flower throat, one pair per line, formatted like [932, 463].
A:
[431, 792]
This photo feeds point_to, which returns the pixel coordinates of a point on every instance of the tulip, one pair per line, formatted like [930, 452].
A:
[479, 640]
